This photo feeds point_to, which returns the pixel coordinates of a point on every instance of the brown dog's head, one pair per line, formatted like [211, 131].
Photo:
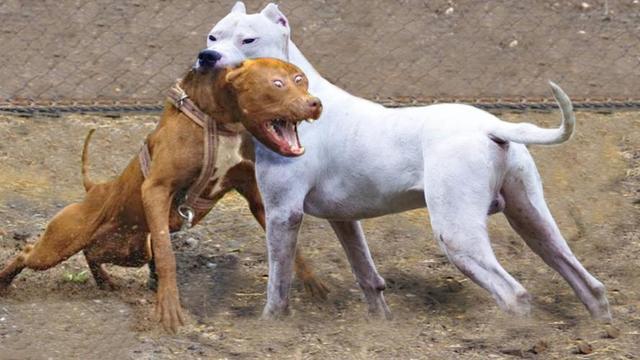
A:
[272, 98]
[269, 96]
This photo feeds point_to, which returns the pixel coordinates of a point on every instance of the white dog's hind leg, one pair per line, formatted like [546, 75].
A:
[466, 243]
[459, 188]
[355, 245]
[529, 215]
[282, 235]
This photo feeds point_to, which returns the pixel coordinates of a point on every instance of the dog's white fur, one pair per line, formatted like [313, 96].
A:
[365, 160]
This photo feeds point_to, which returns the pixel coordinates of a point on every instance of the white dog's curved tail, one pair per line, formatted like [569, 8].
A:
[526, 133]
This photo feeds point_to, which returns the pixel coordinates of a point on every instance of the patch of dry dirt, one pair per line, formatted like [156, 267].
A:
[592, 185]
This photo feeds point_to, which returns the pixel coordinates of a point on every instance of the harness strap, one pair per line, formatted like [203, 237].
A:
[208, 164]
[211, 129]
[181, 101]
[198, 203]
[145, 160]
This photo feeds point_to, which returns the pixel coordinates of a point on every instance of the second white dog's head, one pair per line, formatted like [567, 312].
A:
[239, 36]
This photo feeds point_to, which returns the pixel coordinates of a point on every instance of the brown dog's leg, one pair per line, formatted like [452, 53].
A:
[120, 247]
[99, 274]
[15, 266]
[312, 284]
[247, 187]
[67, 233]
[156, 198]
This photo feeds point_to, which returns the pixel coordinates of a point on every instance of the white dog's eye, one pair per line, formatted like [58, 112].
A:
[212, 38]
[278, 83]
[298, 79]
[248, 41]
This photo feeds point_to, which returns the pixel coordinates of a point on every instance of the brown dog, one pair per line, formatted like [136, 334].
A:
[113, 223]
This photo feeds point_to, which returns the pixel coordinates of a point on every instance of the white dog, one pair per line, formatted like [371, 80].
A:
[364, 160]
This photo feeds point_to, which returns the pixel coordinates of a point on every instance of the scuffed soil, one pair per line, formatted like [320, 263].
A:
[592, 186]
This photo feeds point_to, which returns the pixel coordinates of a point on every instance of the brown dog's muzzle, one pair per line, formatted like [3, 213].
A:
[307, 108]
[315, 106]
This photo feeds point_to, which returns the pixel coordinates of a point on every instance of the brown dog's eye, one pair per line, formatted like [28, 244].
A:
[278, 83]
[298, 79]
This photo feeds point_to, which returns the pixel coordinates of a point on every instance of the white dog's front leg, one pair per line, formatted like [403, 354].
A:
[282, 235]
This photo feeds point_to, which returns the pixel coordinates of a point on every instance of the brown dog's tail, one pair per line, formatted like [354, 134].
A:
[88, 184]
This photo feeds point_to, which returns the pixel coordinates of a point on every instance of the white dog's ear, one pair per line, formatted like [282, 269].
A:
[239, 8]
[274, 14]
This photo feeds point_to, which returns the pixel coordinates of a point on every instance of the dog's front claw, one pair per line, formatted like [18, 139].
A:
[380, 312]
[168, 310]
[519, 305]
[105, 283]
[602, 313]
[316, 288]
[275, 313]
[377, 306]
[107, 286]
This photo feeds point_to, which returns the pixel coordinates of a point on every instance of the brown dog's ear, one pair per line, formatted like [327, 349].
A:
[232, 75]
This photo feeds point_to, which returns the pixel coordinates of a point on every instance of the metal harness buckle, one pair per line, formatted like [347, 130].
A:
[182, 98]
[187, 214]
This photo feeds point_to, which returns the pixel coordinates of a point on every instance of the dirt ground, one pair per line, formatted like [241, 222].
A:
[592, 185]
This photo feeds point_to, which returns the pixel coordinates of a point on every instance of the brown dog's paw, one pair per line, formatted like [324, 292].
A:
[107, 285]
[316, 288]
[4, 288]
[168, 310]
[103, 280]
[152, 280]
[152, 283]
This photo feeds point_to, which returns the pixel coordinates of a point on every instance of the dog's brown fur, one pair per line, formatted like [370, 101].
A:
[126, 220]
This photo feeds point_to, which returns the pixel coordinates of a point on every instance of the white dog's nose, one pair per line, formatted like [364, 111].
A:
[208, 58]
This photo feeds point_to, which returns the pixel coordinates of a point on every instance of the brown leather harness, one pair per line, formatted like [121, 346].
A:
[193, 199]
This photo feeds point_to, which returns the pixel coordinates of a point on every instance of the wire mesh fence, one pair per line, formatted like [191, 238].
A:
[379, 49]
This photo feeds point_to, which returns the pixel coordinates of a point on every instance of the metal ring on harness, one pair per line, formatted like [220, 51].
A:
[187, 214]
[181, 100]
